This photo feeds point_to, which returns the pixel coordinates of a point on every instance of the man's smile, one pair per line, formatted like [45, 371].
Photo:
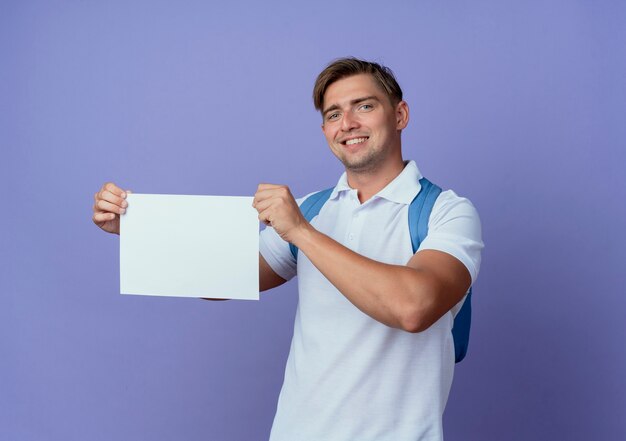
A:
[353, 141]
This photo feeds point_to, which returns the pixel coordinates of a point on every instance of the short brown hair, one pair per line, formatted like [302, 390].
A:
[346, 67]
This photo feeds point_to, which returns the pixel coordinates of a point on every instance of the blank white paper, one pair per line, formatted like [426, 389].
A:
[190, 246]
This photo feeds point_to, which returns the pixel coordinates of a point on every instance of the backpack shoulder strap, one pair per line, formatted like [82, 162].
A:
[419, 213]
[310, 208]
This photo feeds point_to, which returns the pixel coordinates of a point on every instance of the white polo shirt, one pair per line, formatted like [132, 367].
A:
[349, 377]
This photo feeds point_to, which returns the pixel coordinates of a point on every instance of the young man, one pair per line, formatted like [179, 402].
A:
[372, 355]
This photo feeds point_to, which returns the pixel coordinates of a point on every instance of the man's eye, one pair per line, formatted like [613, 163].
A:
[333, 116]
[366, 107]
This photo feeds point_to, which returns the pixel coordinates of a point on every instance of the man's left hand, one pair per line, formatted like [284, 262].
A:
[278, 208]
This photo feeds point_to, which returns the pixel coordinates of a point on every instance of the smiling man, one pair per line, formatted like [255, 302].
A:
[372, 355]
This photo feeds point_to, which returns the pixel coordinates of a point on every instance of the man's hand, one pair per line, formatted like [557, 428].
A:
[278, 208]
[110, 203]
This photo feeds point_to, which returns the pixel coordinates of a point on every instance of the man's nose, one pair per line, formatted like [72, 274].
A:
[349, 122]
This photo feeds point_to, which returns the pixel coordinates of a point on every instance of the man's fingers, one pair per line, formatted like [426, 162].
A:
[276, 191]
[270, 189]
[264, 204]
[264, 216]
[108, 207]
[262, 195]
[265, 194]
[103, 217]
[111, 187]
[269, 186]
[107, 196]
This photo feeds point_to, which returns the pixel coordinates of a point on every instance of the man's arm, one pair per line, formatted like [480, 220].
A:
[268, 279]
[410, 297]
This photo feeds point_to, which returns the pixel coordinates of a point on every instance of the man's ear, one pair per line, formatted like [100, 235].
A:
[402, 115]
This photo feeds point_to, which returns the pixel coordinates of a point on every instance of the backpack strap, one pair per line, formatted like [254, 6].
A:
[419, 213]
[310, 208]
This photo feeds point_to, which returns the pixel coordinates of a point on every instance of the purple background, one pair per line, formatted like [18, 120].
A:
[519, 106]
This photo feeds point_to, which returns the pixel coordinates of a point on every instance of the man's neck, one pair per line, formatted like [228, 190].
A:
[371, 182]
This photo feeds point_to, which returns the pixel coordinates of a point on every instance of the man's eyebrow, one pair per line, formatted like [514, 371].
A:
[330, 109]
[366, 98]
[352, 103]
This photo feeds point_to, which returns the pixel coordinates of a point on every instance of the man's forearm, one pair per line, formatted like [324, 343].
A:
[392, 294]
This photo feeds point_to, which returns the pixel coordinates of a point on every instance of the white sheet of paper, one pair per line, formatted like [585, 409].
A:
[190, 246]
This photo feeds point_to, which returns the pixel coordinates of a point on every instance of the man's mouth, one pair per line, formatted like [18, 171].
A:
[355, 141]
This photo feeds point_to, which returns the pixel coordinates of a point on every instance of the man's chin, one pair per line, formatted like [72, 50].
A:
[360, 165]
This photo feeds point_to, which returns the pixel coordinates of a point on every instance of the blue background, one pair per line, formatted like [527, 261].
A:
[519, 106]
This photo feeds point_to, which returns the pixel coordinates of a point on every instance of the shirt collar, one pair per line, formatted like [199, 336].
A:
[401, 190]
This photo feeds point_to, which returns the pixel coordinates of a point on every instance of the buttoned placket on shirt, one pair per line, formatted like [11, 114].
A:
[357, 219]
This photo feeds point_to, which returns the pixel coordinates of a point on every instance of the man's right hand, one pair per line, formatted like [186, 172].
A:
[110, 203]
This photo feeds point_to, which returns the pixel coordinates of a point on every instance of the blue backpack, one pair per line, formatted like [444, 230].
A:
[419, 213]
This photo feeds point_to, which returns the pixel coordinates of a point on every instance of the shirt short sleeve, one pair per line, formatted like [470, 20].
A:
[454, 228]
[276, 251]
[277, 254]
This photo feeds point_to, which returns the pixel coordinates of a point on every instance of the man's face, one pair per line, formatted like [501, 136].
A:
[360, 124]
